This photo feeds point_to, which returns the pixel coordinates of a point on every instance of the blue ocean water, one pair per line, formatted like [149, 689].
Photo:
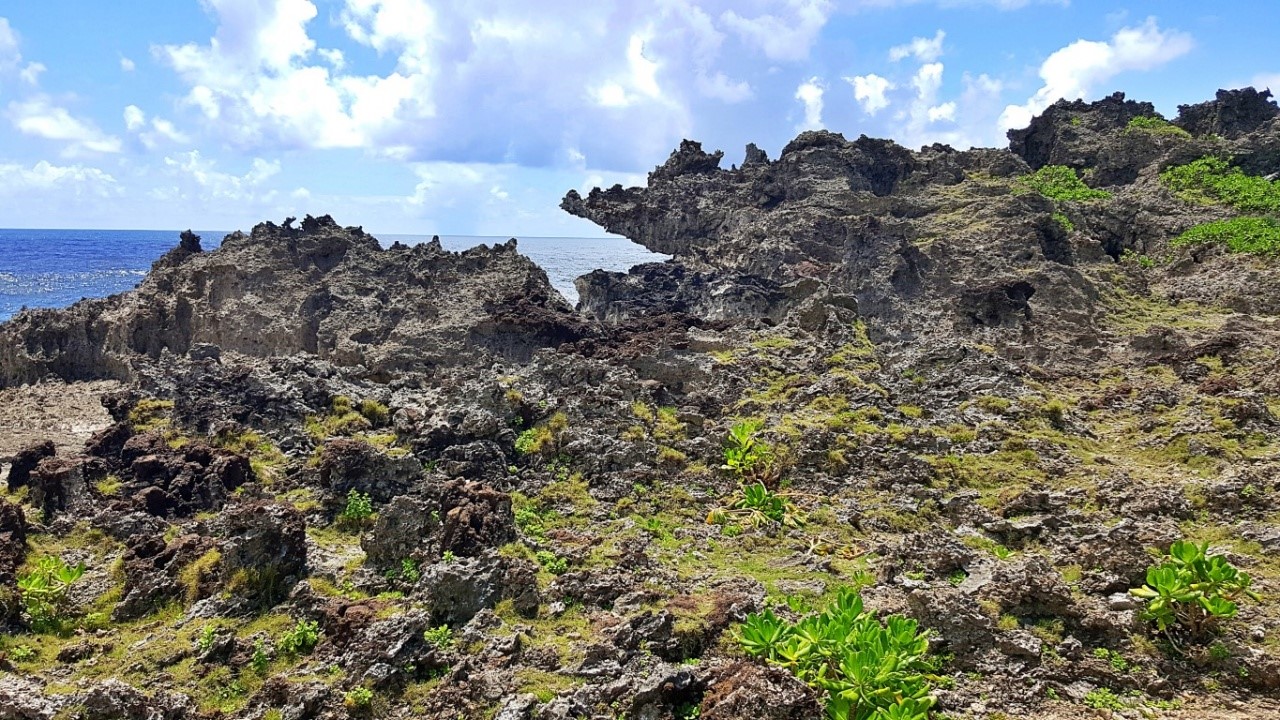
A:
[55, 268]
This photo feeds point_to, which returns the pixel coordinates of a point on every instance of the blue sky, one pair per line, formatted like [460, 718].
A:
[474, 117]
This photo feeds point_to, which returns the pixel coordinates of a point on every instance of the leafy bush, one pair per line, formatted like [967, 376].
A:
[871, 669]
[1058, 182]
[1257, 235]
[301, 639]
[1064, 222]
[1212, 179]
[358, 511]
[1193, 590]
[441, 637]
[1155, 126]
[44, 592]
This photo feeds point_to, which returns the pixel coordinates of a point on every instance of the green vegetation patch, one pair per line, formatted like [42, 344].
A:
[1058, 182]
[1155, 126]
[1213, 180]
[1255, 235]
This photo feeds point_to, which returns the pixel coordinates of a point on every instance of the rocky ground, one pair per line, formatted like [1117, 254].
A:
[320, 479]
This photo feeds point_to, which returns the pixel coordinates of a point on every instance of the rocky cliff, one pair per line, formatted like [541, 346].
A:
[985, 389]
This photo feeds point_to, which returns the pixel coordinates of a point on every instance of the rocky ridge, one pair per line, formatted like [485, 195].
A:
[984, 406]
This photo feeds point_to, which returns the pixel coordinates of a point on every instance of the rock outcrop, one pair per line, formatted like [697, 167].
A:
[314, 288]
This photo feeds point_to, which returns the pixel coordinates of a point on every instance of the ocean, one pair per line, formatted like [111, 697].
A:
[55, 268]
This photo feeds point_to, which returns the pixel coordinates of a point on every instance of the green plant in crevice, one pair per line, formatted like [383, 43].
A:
[746, 454]
[553, 563]
[1155, 126]
[358, 700]
[870, 668]
[44, 592]
[544, 438]
[757, 505]
[300, 639]
[1193, 590]
[439, 637]
[260, 661]
[1058, 182]
[358, 510]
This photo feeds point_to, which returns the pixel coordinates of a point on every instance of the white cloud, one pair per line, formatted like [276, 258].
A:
[134, 118]
[810, 95]
[869, 90]
[945, 111]
[127, 65]
[41, 118]
[44, 177]
[926, 50]
[1077, 70]
[640, 82]
[254, 80]
[199, 177]
[785, 37]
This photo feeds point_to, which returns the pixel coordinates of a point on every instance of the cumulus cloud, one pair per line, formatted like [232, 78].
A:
[787, 35]
[198, 177]
[134, 118]
[869, 90]
[39, 117]
[926, 50]
[42, 177]
[255, 78]
[810, 95]
[1077, 70]
[127, 65]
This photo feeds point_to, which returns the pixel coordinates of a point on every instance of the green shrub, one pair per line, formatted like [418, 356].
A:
[44, 592]
[1212, 179]
[1155, 126]
[1193, 590]
[440, 637]
[871, 669]
[208, 634]
[301, 639]
[1064, 222]
[358, 511]
[1256, 235]
[1058, 182]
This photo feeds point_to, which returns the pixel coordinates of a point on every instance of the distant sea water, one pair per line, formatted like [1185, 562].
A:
[55, 268]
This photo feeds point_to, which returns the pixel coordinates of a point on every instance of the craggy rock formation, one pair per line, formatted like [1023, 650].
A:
[345, 481]
[315, 288]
